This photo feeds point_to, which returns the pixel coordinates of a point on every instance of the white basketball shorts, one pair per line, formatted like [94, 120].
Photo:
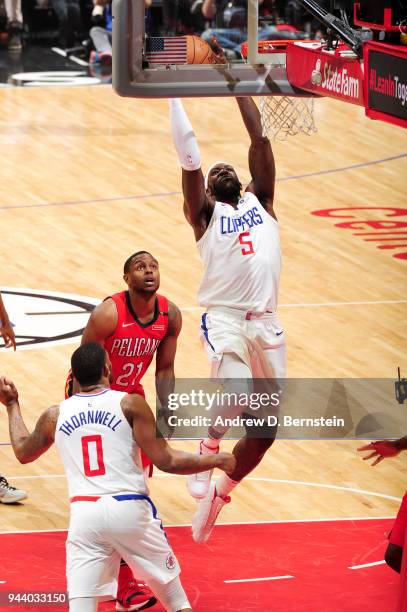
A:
[104, 531]
[257, 340]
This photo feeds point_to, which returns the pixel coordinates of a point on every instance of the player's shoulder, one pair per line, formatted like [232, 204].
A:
[131, 404]
[115, 299]
[264, 208]
[174, 318]
[106, 310]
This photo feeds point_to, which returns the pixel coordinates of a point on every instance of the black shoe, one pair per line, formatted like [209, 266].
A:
[15, 43]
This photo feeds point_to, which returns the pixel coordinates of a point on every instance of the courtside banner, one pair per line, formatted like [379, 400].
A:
[325, 73]
[386, 83]
[291, 408]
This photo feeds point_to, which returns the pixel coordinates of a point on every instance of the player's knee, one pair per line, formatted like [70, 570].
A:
[264, 444]
[393, 557]
[259, 446]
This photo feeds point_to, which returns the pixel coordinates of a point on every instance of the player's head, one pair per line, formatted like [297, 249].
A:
[91, 365]
[141, 272]
[222, 183]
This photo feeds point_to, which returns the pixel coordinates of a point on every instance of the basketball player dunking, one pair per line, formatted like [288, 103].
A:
[132, 326]
[99, 433]
[237, 237]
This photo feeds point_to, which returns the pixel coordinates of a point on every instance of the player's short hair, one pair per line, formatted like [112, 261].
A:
[127, 263]
[87, 363]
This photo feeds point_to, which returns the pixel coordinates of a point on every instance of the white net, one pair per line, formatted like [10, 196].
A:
[282, 116]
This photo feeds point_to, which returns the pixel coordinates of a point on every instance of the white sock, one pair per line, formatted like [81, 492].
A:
[224, 485]
[209, 445]
[83, 604]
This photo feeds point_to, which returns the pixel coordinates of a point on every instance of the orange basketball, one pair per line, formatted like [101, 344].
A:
[200, 52]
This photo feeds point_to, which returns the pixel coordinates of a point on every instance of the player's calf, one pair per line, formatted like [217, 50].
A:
[393, 557]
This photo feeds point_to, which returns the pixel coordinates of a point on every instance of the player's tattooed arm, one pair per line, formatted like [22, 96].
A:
[102, 323]
[166, 458]
[27, 447]
[261, 159]
[164, 371]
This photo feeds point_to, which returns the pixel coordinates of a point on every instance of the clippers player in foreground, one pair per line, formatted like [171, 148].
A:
[238, 240]
[98, 433]
[132, 326]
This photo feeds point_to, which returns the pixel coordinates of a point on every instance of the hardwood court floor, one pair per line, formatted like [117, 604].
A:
[88, 178]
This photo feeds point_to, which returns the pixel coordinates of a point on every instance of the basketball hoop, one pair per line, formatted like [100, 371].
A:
[283, 116]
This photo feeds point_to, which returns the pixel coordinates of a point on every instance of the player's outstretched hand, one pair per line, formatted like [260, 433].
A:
[227, 462]
[8, 335]
[381, 450]
[8, 391]
[218, 51]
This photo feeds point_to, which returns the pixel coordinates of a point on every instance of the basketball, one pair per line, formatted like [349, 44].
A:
[200, 52]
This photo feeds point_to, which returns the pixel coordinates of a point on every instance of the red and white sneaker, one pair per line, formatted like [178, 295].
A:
[198, 484]
[206, 514]
[131, 593]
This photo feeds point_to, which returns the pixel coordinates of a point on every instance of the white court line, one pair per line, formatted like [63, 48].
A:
[318, 304]
[37, 476]
[367, 565]
[254, 479]
[286, 522]
[2, 582]
[257, 579]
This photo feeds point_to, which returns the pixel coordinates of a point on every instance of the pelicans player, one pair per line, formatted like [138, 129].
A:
[135, 324]
[132, 326]
[99, 433]
[237, 237]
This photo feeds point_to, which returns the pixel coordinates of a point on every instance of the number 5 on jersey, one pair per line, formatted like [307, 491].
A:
[247, 244]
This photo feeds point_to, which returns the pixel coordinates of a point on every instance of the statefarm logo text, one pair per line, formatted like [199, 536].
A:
[336, 80]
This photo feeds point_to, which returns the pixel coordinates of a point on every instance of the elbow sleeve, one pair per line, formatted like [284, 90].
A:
[184, 137]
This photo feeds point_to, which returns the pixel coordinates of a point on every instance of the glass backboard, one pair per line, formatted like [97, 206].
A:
[155, 41]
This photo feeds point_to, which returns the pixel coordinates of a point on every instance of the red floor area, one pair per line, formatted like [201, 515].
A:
[316, 554]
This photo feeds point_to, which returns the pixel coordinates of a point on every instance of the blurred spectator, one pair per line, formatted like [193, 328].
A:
[181, 17]
[14, 24]
[68, 13]
[101, 32]
[229, 23]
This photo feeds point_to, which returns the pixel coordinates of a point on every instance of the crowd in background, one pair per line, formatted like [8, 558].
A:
[70, 22]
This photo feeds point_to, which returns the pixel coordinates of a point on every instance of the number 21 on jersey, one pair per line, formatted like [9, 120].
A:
[128, 369]
[247, 244]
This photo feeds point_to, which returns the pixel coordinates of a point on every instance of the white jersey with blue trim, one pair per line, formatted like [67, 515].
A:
[241, 255]
[96, 446]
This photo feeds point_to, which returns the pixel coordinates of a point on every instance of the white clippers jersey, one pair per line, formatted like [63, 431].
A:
[96, 446]
[241, 255]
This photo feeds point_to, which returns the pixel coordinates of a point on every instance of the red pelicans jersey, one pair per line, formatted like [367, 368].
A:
[132, 345]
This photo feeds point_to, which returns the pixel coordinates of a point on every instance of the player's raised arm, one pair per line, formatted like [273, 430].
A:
[27, 447]
[197, 206]
[261, 158]
[166, 458]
